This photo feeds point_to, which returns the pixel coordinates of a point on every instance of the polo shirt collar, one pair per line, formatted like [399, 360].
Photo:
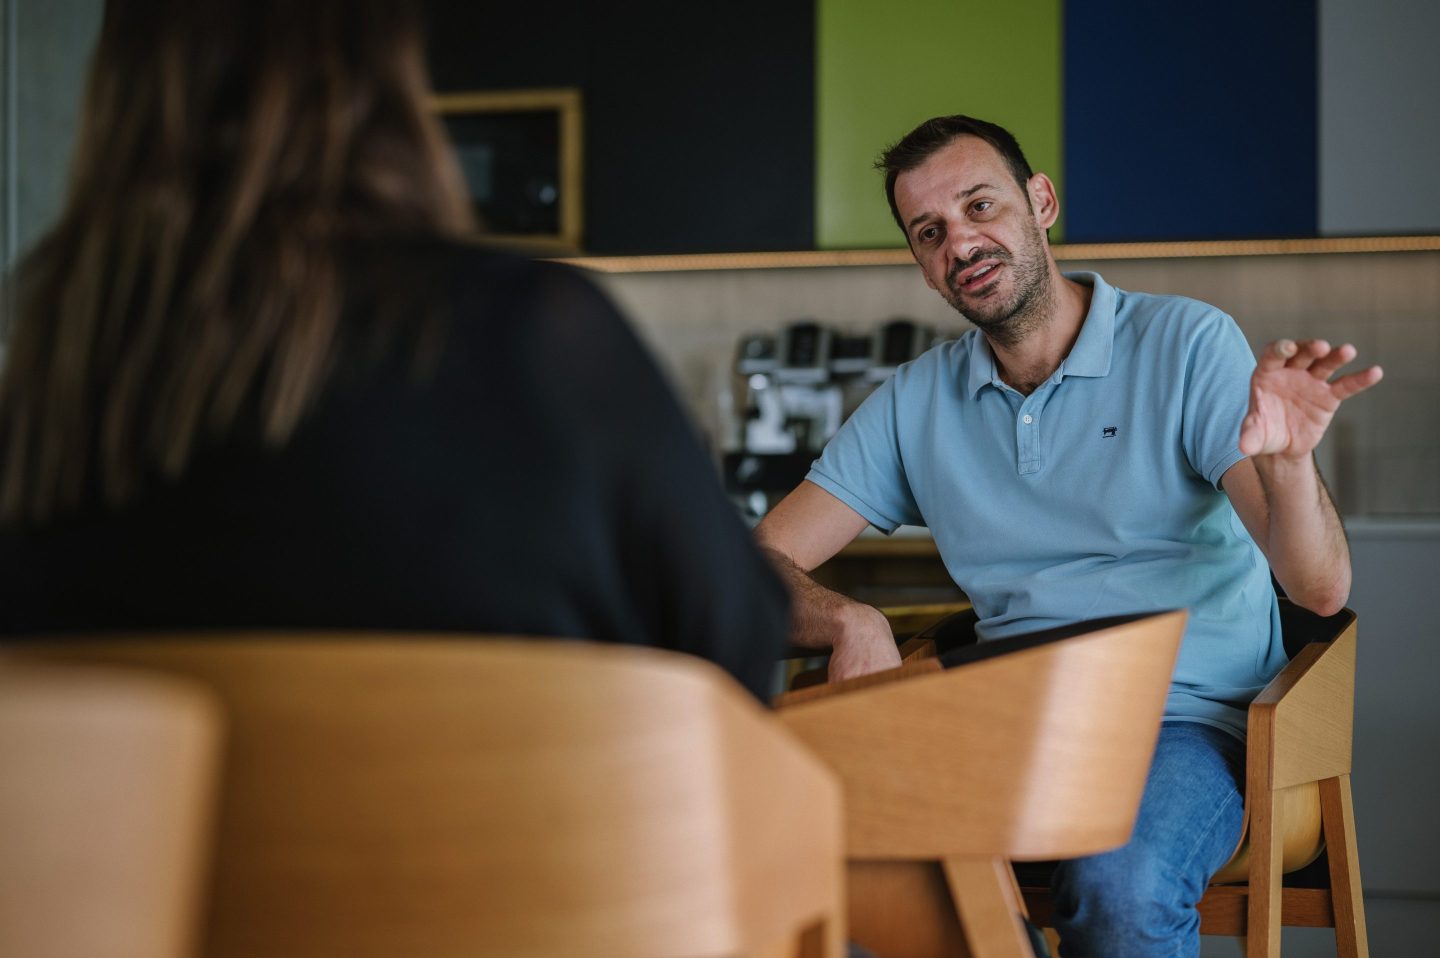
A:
[1090, 356]
[982, 367]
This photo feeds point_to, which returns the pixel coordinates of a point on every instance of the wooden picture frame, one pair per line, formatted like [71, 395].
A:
[521, 152]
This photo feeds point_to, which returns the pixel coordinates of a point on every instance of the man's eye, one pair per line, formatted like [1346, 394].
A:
[929, 233]
[982, 206]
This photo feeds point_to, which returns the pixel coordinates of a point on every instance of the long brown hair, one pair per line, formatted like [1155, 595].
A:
[225, 148]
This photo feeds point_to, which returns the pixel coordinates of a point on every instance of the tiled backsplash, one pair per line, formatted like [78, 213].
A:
[1383, 457]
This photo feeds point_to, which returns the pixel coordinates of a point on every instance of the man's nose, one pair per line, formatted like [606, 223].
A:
[965, 242]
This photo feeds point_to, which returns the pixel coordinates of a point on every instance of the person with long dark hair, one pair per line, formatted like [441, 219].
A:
[258, 375]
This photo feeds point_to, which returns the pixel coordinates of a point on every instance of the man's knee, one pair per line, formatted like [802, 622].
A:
[1131, 894]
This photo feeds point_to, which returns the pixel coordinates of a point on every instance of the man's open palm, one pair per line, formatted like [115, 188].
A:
[1292, 398]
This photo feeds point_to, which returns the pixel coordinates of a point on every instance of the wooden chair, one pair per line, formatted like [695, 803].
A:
[445, 796]
[105, 811]
[1037, 748]
[1297, 801]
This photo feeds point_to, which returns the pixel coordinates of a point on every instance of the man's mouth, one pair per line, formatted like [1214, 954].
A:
[978, 276]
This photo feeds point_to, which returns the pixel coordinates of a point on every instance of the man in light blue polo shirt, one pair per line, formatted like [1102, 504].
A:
[1086, 452]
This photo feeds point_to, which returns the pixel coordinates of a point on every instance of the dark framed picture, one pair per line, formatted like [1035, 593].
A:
[521, 154]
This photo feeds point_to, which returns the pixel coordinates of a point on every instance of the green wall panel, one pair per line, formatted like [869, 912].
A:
[883, 67]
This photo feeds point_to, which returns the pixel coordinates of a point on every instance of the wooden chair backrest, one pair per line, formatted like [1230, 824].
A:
[106, 801]
[1041, 753]
[433, 796]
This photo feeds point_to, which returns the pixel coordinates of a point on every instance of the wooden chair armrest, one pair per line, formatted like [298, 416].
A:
[1293, 677]
[916, 648]
[921, 666]
[910, 619]
[1305, 716]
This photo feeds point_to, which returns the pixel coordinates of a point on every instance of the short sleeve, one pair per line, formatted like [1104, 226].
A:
[1217, 394]
[862, 465]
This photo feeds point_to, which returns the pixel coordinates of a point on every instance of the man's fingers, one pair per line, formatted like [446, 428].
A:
[1307, 351]
[1274, 355]
[1251, 438]
[1347, 386]
[1326, 365]
[1314, 355]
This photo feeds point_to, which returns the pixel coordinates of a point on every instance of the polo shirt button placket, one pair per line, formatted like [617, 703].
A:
[1028, 443]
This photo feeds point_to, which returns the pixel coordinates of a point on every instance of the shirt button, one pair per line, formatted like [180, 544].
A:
[1028, 420]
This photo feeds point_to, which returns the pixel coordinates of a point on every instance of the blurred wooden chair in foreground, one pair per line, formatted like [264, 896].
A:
[1297, 802]
[106, 789]
[423, 796]
[1031, 748]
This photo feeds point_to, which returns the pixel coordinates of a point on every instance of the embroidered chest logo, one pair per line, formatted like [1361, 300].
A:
[1109, 432]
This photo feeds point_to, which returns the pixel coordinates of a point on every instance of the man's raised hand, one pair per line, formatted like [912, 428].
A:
[1293, 399]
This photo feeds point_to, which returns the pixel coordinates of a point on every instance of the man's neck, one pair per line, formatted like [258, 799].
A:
[1024, 365]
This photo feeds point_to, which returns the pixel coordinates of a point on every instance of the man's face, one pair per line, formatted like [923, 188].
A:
[975, 235]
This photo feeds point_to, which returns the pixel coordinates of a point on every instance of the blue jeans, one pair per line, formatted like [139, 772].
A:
[1139, 900]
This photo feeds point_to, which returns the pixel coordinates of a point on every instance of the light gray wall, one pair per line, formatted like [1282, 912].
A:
[1379, 121]
[1397, 731]
[47, 50]
[6, 14]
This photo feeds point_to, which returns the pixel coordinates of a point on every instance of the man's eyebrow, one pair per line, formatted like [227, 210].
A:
[963, 194]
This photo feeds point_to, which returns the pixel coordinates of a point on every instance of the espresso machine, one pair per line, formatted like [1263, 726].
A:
[798, 386]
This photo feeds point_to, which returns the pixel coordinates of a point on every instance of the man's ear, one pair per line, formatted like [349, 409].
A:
[1043, 200]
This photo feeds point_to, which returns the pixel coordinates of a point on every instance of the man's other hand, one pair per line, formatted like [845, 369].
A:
[1293, 400]
[865, 645]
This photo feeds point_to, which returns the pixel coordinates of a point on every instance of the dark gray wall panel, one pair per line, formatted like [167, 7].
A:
[699, 120]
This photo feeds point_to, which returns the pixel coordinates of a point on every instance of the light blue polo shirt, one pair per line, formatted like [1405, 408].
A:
[1096, 495]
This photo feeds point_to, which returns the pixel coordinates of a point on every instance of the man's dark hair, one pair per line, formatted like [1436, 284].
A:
[934, 135]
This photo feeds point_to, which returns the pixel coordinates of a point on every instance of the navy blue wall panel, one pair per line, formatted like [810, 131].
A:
[1190, 120]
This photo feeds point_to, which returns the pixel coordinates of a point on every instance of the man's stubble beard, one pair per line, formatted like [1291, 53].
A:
[1028, 307]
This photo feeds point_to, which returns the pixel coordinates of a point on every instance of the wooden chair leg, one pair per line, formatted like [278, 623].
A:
[792, 946]
[823, 939]
[902, 909]
[989, 906]
[1014, 885]
[1337, 814]
[1262, 928]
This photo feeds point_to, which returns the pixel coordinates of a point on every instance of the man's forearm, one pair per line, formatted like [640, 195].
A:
[821, 618]
[1283, 501]
[1305, 540]
[808, 527]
